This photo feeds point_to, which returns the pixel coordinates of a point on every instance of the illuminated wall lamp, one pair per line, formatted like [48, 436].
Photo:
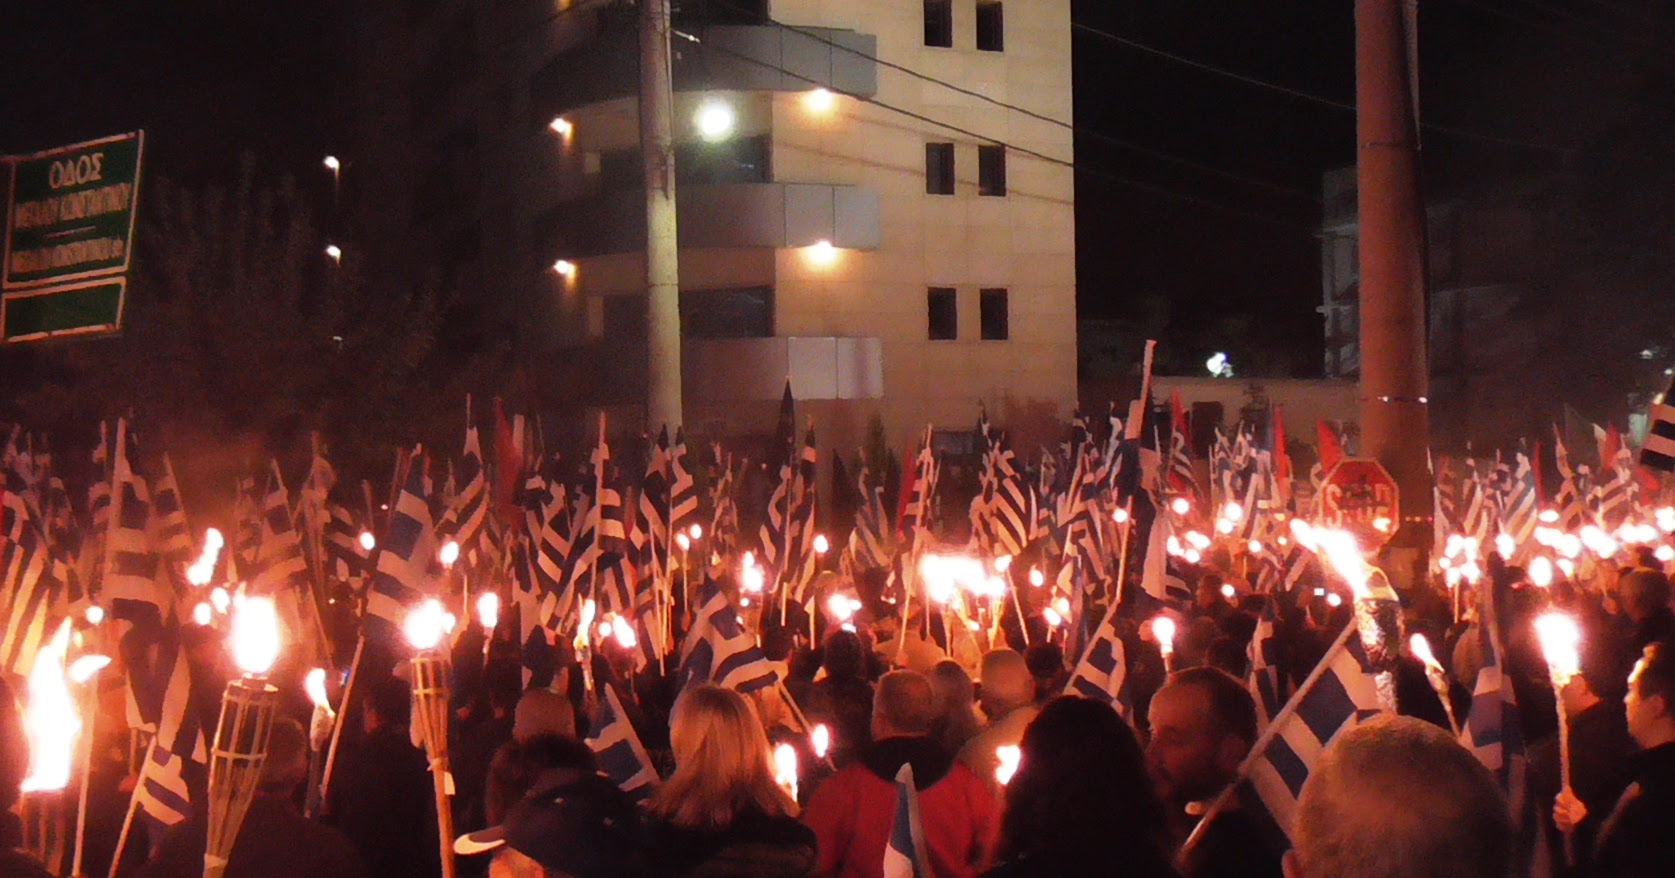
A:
[565, 268]
[819, 100]
[821, 254]
[562, 127]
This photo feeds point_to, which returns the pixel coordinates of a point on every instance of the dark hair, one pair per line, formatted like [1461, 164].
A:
[1044, 659]
[391, 699]
[1646, 589]
[1231, 708]
[515, 766]
[844, 657]
[1657, 674]
[1080, 799]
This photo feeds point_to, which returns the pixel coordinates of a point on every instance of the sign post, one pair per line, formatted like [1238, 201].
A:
[1359, 496]
[69, 238]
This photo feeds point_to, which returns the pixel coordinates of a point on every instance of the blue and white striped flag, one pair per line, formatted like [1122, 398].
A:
[406, 553]
[905, 855]
[1102, 674]
[621, 756]
[718, 649]
[1338, 696]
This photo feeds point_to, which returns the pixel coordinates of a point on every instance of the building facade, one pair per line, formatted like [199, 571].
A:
[854, 215]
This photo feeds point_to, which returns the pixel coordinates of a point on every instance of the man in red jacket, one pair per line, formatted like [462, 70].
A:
[852, 812]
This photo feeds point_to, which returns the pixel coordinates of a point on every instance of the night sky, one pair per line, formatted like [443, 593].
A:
[1221, 256]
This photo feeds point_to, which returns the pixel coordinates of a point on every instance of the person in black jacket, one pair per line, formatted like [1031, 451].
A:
[382, 796]
[720, 813]
[1080, 803]
[1635, 838]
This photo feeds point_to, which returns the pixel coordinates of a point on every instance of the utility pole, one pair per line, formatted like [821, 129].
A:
[1395, 421]
[663, 383]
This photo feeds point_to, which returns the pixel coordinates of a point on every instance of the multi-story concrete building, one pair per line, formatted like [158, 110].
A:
[854, 214]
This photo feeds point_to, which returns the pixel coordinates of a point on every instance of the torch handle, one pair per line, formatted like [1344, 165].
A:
[444, 813]
[1564, 766]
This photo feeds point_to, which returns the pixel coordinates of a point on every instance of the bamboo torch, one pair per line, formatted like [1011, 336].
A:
[1559, 641]
[241, 735]
[424, 629]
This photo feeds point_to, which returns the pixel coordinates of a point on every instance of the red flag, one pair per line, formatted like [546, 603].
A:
[508, 469]
[1331, 449]
[1282, 460]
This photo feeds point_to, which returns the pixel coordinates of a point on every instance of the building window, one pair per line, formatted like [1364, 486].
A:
[991, 28]
[939, 169]
[735, 313]
[993, 318]
[939, 23]
[991, 169]
[942, 314]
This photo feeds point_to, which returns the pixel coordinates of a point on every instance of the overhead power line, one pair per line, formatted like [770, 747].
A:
[1314, 98]
[1010, 147]
[1160, 155]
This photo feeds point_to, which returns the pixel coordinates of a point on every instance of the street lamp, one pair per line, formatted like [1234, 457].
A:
[334, 253]
[714, 120]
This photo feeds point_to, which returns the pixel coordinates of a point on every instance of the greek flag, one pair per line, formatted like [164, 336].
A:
[173, 537]
[1342, 695]
[719, 650]
[683, 490]
[160, 697]
[1267, 681]
[1659, 450]
[905, 855]
[1102, 674]
[463, 520]
[406, 552]
[621, 756]
[1492, 731]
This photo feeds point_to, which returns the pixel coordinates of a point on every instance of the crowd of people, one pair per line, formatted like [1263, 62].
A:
[1091, 792]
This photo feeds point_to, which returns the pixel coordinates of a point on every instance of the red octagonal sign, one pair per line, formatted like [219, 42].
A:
[1359, 496]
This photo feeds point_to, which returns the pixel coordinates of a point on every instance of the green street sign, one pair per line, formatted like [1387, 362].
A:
[69, 237]
[79, 308]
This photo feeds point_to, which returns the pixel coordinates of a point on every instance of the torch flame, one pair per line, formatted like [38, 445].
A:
[315, 685]
[821, 544]
[1180, 505]
[1007, 757]
[821, 739]
[1163, 628]
[449, 553]
[51, 722]
[624, 631]
[255, 635]
[1559, 641]
[488, 610]
[1541, 571]
[1036, 577]
[1003, 563]
[423, 626]
[785, 768]
[696, 531]
[368, 541]
[1421, 649]
[1344, 554]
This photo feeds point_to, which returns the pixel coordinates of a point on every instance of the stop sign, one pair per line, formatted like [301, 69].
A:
[1359, 496]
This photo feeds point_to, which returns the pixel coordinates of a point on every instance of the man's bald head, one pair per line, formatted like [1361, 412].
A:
[1398, 798]
[1007, 683]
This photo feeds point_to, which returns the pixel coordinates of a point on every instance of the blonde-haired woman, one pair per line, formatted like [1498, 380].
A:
[720, 813]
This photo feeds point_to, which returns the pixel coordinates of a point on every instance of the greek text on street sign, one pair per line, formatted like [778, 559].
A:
[70, 214]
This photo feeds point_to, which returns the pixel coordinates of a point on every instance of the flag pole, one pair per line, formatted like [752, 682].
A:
[342, 710]
[1264, 739]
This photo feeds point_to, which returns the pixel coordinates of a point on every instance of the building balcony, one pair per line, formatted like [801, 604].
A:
[726, 58]
[722, 215]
